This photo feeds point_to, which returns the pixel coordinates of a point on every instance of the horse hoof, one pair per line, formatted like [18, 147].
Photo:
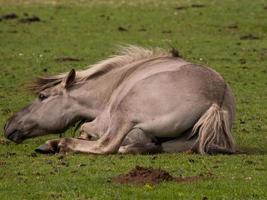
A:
[45, 149]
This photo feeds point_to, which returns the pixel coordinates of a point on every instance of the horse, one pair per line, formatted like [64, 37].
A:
[137, 101]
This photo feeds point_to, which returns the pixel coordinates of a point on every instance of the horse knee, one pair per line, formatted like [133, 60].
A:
[88, 131]
[84, 136]
[86, 127]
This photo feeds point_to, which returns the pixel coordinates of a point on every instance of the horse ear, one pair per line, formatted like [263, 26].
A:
[70, 78]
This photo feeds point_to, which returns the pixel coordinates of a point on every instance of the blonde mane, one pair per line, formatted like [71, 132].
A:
[125, 55]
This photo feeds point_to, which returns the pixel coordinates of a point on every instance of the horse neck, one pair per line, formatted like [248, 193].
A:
[95, 93]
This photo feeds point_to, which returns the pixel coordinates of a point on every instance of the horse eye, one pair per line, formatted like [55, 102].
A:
[42, 97]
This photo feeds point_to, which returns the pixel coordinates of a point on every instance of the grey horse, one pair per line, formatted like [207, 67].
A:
[138, 101]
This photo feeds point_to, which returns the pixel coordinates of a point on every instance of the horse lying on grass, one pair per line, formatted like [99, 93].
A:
[139, 101]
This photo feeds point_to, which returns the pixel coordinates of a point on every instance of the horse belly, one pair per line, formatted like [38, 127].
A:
[174, 123]
[165, 104]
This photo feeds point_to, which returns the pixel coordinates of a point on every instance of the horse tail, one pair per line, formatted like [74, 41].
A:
[213, 130]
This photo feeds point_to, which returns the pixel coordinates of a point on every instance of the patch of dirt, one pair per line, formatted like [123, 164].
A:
[198, 5]
[120, 28]
[9, 16]
[29, 19]
[33, 154]
[67, 59]
[143, 175]
[181, 7]
[192, 6]
[12, 31]
[242, 61]
[232, 26]
[249, 37]
[105, 17]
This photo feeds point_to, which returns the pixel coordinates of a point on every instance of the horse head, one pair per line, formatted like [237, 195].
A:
[52, 111]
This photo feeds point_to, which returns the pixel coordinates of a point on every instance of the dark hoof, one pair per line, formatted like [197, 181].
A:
[215, 149]
[46, 149]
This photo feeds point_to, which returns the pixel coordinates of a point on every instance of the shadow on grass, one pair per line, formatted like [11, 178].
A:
[251, 150]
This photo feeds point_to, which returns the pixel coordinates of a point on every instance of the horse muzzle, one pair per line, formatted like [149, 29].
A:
[12, 133]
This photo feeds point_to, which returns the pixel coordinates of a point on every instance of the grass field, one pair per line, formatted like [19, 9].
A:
[229, 36]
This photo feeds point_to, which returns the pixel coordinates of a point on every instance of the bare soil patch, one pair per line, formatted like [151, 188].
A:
[143, 175]
[249, 37]
[232, 26]
[9, 16]
[67, 59]
[191, 6]
[120, 28]
[198, 5]
[30, 19]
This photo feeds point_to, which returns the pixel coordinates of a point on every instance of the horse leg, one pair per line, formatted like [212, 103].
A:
[78, 145]
[139, 148]
[137, 142]
[179, 145]
[110, 142]
[87, 132]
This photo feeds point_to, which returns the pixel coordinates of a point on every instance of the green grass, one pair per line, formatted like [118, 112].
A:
[90, 31]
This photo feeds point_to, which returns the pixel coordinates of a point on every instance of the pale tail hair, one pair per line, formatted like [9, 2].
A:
[213, 130]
